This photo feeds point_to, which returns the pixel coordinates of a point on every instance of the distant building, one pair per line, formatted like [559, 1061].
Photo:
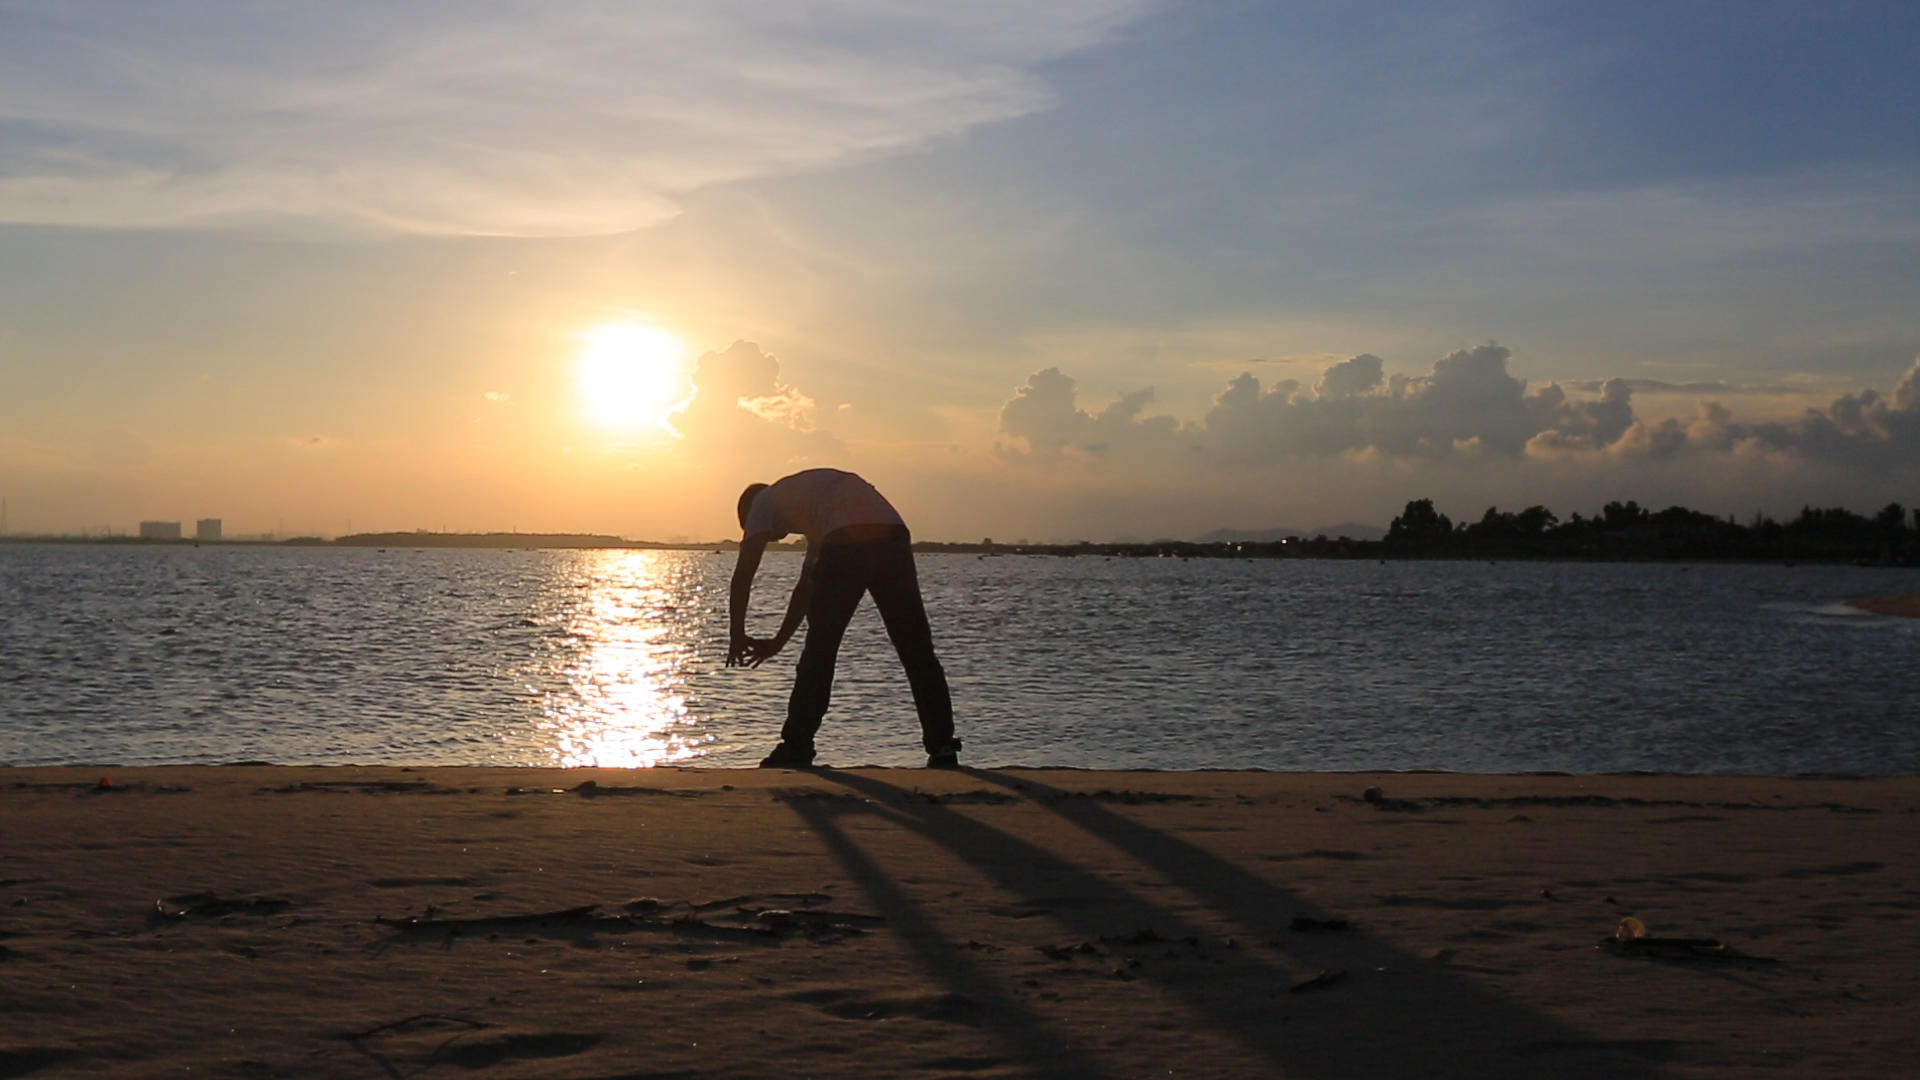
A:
[159, 530]
[207, 529]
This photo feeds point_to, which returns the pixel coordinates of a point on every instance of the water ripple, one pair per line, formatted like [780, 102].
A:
[176, 654]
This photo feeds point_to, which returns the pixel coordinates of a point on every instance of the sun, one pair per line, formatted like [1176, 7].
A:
[630, 375]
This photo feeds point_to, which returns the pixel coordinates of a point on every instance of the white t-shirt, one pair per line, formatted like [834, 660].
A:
[816, 502]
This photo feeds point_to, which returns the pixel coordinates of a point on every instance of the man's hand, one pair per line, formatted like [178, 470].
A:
[746, 651]
[761, 650]
[737, 650]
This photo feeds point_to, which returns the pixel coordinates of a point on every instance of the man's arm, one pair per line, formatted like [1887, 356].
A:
[796, 609]
[739, 645]
[760, 650]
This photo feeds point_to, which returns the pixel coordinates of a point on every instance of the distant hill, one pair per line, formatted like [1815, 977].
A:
[1350, 530]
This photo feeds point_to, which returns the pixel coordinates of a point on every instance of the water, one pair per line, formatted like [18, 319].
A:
[149, 655]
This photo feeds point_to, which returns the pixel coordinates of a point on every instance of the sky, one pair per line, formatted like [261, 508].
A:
[1085, 269]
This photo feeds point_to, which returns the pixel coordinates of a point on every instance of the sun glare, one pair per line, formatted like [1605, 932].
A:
[630, 375]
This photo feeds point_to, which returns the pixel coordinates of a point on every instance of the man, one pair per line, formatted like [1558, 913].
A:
[856, 544]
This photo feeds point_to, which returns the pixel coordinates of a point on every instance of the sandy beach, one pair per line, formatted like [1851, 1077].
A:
[265, 922]
[1905, 606]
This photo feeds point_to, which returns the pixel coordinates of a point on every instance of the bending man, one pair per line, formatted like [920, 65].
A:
[856, 544]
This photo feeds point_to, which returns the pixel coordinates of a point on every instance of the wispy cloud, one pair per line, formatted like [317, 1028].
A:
[563, 117]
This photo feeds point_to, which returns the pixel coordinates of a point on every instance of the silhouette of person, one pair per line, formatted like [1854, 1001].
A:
[856, 544]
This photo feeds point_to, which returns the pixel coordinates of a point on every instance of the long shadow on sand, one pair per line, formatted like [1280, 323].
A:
[1044, 1050]
[1419, 1019]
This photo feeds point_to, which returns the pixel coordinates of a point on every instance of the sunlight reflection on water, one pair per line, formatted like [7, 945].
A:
[624, 669]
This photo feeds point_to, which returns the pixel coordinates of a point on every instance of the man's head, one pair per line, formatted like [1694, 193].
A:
[746, 501]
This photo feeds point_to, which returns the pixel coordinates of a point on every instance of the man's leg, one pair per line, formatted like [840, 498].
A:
[839, 579]
[896, 592]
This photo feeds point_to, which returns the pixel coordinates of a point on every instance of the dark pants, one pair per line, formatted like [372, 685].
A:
[852, 563]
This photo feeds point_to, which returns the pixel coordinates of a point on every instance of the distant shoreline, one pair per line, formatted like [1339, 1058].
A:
[509, 541]
[1318, 547]
[1289, 548]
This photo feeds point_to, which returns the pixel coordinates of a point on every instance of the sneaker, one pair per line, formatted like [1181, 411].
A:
[788, 757]
[947, 757]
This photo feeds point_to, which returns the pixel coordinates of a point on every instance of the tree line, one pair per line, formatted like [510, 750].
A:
[1627, 530]
[1621, 530]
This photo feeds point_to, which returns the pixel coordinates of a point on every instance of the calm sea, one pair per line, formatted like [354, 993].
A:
[147, 655]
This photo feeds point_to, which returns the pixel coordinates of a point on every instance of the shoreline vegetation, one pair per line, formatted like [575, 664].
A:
[864, 923]
[1625, 532]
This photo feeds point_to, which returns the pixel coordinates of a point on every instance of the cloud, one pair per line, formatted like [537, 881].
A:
[1906, 396]
[1470, 406]
[1469, 401]
[1715, 387]
[1864, 430]
[740, 410]
[557, 117]
[1350, 377]
[1046, 415]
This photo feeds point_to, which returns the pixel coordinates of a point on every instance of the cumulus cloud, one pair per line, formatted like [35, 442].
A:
[1866, 429]
[526, 117]
[1469, 401]
[741, 409]
[1469, 406]
[1350, 377]
[1046, 414]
